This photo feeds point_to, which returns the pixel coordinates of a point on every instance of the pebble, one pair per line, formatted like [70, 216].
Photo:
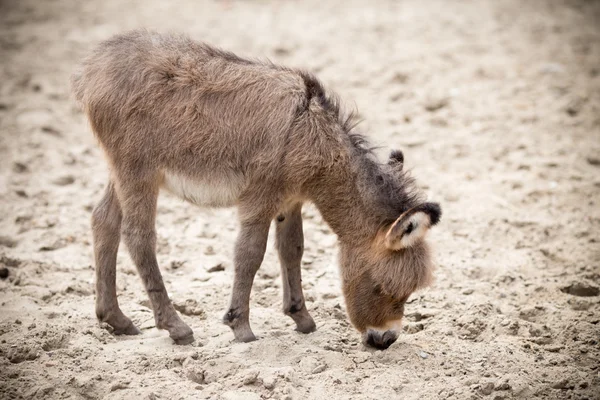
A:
[269, 382]
[195, 375]
[209, 251]
[189, 307]
[19, 167]
[3, 273]
[594, 161]
[319, 368]
[7, 241]
[217, 268]
[64, 180]
[581, 289]
[423, 355]
[250, 377]
[119, 386]
[434, 104]
[563, 383]
[487, 389]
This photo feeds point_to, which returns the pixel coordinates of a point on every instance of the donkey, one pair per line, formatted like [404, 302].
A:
[218, 130]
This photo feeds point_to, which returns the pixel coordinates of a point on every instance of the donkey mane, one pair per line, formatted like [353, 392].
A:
[386, 189]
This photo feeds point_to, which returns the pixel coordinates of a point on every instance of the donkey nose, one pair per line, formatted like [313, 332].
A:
[380, 340]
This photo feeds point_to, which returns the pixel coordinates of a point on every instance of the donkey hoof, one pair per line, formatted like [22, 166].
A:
[118, 324]
[182, 335]
[244, 334]
[131, 329]
[184, 340]
[246, 338]
[306, 327]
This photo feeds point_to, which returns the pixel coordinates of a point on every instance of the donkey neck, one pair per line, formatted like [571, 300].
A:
[339, 201]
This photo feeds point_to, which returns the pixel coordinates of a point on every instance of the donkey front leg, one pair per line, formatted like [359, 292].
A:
[249, 252]
[106, 226]
[138, 202]
[290, 245]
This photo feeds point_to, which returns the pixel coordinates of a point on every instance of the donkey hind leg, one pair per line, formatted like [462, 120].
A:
[106, 226]
[290, 245]
[138, 202]
[250, 249]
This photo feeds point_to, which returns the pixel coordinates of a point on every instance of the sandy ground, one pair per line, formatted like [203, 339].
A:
[497, 107]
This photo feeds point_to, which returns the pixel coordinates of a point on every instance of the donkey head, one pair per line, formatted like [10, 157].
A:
[378, 276]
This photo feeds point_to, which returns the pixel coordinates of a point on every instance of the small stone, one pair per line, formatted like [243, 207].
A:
[522, 390]
[400, 77]
[563, 383]
[269, 382]
[319, 368]
[209, 251]
[250, 377]
[51, 130]
[281, 51]
[177, 264]
[423, 355]
[487, 389]
[435, 103]
[468, 291]
[64, 180]
[7, 241]
[594, 161]
[574, 106]
[217, 268]
[189, 307]
[581, 289]
[195, 375]
[119, 386]
[3, 273]
[20, 167]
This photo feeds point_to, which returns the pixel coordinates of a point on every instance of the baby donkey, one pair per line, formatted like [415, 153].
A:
[218, 130]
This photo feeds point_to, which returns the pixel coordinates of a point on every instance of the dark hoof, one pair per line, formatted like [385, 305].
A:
[182, 335]
[308, 327]
[118, 324]
[184, 340]
[128, 330]
[247, 338]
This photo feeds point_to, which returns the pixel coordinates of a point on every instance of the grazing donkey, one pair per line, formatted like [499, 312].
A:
[218, 130]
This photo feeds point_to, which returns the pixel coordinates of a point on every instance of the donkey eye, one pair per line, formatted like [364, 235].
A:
[411, 227]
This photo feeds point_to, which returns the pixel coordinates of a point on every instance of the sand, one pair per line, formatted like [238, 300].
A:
[496, 105]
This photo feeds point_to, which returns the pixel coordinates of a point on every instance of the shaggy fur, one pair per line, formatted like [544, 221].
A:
[220, 130]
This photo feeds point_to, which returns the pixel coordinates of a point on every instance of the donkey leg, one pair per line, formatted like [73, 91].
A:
[138, 202]
[290, 245]
[249, 252]
[106, 226]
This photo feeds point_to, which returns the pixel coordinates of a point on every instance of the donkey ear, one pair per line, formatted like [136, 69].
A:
[412, 225]
[396, 157]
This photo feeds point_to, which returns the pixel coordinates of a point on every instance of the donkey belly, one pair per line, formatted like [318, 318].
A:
[216, 190]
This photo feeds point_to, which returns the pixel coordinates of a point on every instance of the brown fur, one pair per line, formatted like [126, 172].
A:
[271, 137]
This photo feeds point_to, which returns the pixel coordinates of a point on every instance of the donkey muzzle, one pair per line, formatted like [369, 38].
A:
[380, 339]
